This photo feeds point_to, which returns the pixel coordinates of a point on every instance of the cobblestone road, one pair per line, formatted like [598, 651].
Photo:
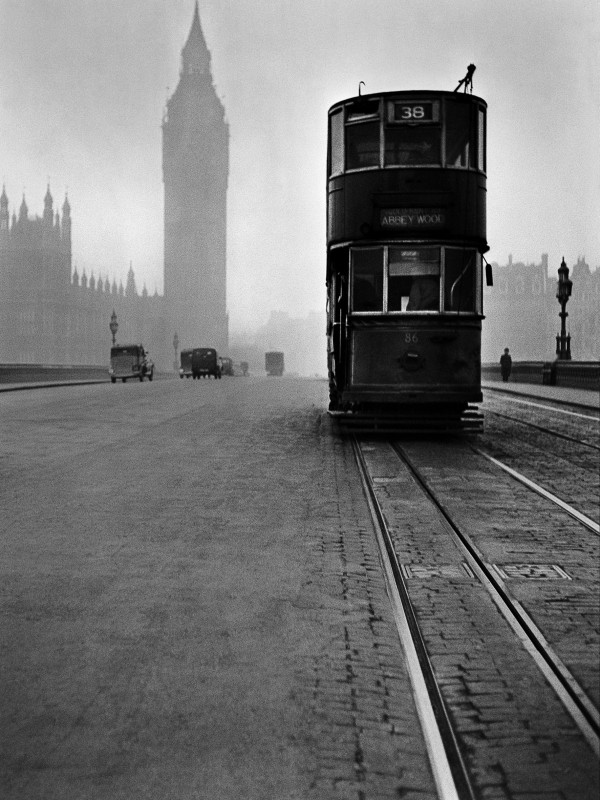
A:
[191, 602]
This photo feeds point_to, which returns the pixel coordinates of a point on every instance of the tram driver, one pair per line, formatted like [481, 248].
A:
[424, 293]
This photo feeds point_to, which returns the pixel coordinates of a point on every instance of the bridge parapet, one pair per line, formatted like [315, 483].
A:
[571, 374]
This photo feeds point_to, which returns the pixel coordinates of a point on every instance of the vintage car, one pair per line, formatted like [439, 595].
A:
[185, 368]
[130, 361]
[226, 365]
[205, 363]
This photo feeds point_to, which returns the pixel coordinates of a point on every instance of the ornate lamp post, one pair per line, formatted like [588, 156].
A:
[564, 288]
[175, 346]
[114, 325]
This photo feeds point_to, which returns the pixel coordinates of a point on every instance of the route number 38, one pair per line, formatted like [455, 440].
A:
[412, 112]
[415, 112]
[411, 338]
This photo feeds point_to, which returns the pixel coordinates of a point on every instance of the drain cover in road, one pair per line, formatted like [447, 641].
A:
[537, 572]
[424, 571]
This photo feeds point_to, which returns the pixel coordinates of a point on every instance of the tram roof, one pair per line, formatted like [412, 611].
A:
[409, 94]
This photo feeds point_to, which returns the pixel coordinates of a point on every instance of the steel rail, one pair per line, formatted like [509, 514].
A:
[589, 523]
[543, 430]
[548, 408]
[581, 709]
[447, 764]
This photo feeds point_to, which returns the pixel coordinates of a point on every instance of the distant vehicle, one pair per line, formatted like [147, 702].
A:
[130, 361]
[226, 366]
[244, 367]
[274, 363]
[205, 363]
[185, 362]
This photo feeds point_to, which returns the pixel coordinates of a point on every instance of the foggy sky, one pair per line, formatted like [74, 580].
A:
[84, 86]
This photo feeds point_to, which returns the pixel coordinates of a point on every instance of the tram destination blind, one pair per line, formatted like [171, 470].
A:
[414, 113]
[412, 217]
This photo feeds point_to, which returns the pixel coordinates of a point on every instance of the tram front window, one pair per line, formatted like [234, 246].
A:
[362, 145]
[460, 274]
[367, 280]
[414, 279]
[408, 147]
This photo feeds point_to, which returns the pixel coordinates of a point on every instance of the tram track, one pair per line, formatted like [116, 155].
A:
[448, 766]
[575, 700]
[555, 455]
[542, 429]
[533, 400]
[572, 696]
[535, 487]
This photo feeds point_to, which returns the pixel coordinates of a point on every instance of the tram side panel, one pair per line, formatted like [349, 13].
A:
[426, 366]
[418, 204]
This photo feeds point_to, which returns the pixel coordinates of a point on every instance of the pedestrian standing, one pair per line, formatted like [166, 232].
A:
[505, 365]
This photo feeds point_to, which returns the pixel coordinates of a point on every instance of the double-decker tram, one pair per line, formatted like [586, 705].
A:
[406, 234]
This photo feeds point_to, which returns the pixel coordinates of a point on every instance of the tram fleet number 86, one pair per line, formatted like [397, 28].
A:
[406, 234]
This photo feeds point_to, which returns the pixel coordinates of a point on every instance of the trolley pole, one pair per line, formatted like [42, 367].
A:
[564, 288]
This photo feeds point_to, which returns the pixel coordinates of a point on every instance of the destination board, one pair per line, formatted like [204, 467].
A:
[412, 217]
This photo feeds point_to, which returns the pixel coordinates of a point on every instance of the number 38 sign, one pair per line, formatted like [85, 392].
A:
[418, 112]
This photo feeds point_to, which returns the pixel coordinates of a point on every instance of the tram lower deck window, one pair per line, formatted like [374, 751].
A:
[394, 279]
[460, 271]
[367, 279]
[413, 279]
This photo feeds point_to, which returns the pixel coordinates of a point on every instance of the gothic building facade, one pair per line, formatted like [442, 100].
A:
[49, 314]
[522, 311]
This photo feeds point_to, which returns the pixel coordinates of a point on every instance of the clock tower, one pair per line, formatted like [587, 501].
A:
[195, 173]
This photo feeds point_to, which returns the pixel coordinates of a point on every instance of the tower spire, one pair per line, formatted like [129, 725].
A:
[195, 57]
[130, 289]
[48, 212]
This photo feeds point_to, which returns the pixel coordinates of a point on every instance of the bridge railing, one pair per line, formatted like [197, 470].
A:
[571, 374]
[34, 373]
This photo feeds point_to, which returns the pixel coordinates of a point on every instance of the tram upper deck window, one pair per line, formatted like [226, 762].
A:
[460, 279]
[412, 134]
[367, 279]
[362, 145]
[362, 109]
[460, 135]
[362, 135]
[414, 279]
[481, 152]
[336, 142]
